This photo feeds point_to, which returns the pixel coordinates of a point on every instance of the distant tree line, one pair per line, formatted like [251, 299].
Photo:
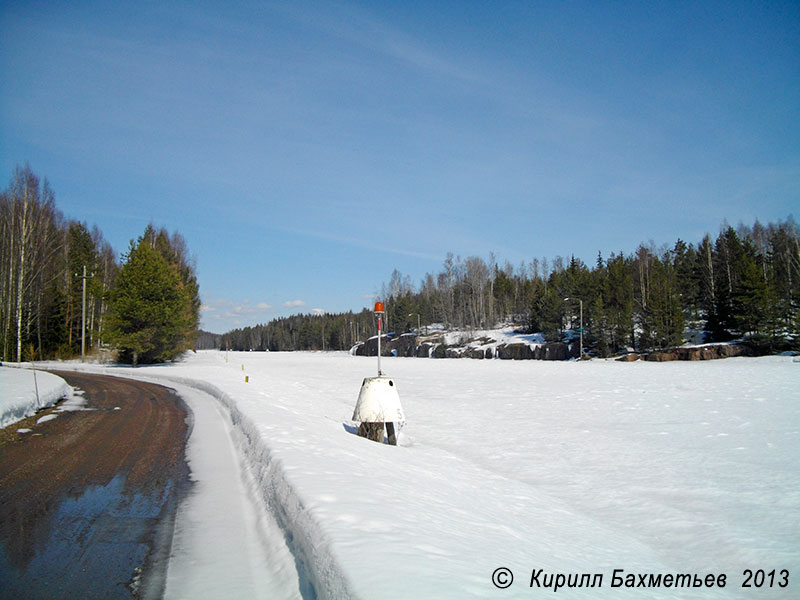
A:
[743, 284]
[338, 331]
[42, 261]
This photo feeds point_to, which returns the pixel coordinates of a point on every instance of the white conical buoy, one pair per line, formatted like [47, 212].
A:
[378, 401]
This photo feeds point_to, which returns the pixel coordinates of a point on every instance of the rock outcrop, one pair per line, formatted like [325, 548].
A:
[406, 345]
[701, 353]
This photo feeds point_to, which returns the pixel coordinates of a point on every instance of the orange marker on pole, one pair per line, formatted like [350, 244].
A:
[379, 313]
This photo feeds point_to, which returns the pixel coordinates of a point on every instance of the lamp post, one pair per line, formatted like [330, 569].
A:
[580, 357]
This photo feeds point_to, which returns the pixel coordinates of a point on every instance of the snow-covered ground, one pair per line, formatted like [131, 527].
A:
[564, 467]
[23, 392]
[488, 338]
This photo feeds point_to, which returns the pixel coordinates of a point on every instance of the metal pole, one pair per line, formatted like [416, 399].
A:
[379, 312]
[581, 352]
[83, 316]
[36, 386]
[379, 345]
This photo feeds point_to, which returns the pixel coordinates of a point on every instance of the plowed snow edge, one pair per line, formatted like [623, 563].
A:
[304, 536]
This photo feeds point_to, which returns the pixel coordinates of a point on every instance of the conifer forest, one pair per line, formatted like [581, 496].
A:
[743, 283]
[145, 309]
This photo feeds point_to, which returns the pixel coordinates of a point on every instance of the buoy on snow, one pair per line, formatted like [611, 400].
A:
[378, 405]
[378, 402]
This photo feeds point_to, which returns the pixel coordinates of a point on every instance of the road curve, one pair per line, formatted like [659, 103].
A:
[88, 499]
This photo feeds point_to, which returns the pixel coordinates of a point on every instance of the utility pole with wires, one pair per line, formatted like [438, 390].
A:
[84, 277]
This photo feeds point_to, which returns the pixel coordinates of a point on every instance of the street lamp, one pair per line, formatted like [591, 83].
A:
[418, 322]
[581, 323]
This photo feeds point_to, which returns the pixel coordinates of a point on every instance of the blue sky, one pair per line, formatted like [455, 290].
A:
[305, 150]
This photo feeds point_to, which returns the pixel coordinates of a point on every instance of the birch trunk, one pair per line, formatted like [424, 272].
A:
[21, 269]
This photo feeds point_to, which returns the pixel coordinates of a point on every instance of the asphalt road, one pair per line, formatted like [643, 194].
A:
[88, 499]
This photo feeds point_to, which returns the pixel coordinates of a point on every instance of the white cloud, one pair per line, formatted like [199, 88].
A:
[219, 310]
[362, 243]
[318, 311]
[294, 303]
[361, 28]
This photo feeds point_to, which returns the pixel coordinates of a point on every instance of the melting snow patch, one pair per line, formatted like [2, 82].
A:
[75, 401]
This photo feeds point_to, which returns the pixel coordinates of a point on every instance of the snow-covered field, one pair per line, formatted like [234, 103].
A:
[565, 467]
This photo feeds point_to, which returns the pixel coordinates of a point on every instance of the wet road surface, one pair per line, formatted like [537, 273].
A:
[88, 499]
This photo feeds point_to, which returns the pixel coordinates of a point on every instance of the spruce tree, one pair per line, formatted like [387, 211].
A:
[751, 300]
[618, 299]
[150, 307]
